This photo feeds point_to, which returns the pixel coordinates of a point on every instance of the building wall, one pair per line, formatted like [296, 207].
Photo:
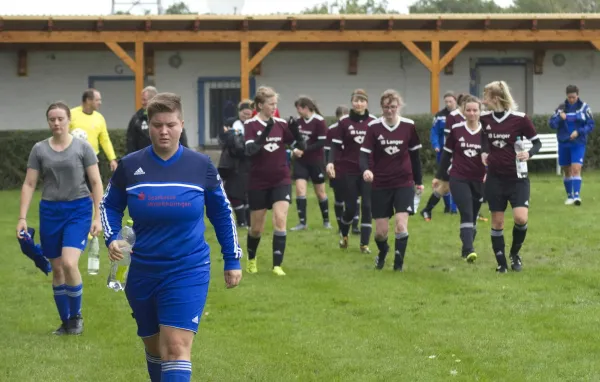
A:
[320, 74]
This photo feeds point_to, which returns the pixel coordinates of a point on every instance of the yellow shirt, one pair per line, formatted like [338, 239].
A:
[94, 127]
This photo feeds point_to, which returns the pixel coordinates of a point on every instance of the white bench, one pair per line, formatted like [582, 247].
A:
[549, 149]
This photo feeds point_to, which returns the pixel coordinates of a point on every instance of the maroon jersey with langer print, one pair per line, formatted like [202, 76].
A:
[269, 167]
[464, 145]
[314, 130]
[350, 134]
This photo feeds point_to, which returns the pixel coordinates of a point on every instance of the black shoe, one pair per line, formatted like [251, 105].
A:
[398, 262]
[426, 215]
[62, 329]
[501, 269]
[380, 261]
[75, 325]
[515, 263]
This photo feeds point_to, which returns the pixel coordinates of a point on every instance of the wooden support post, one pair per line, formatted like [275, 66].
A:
[596, 44]
[435, 76]
[244, 70]
[139, 73]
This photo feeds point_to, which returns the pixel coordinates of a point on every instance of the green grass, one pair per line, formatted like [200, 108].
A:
[333, 318]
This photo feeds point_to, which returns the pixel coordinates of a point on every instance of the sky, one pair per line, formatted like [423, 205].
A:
[103, 7]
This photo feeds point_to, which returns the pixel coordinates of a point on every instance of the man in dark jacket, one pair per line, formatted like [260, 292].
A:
[137, 131]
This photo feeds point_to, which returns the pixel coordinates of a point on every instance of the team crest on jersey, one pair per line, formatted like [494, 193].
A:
[270, 147]
[499, 144]
[359, 139]
[391, 150]
[470, 153]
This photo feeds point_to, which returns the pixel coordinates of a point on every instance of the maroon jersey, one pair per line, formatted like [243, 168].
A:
[465, 147]
[349, 136]
[389, 147]
[451, 119]
[269, 167]
[501, 134]
[313, 130]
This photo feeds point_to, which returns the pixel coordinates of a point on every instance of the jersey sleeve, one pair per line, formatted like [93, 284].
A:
[527, 129]
[414, 143]
[113, 204]
[34, 162]
[89, 156]
[249, 133]
[450, 141]
[369, 143]
[220, 214]
[338, 135]
[322, 131]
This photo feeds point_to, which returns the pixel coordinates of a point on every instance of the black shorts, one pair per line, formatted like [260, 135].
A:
[314, 172]
[389, 201]
[498, 192]
[264, 199]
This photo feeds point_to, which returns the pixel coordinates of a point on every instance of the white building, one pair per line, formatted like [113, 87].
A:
[207, 75]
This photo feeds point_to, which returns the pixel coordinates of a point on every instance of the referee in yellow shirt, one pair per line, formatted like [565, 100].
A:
[88, 123]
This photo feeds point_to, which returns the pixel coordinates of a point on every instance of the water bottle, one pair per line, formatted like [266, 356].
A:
[117, 277]
[521, 166]
[94, 256]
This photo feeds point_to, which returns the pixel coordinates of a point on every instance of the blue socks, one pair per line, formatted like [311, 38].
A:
[176, 371]
[62, 301]
[576, 186]
[568, 182]
[154, 367]
[74, 293]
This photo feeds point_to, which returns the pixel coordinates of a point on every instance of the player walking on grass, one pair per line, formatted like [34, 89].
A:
[309, 164]
[269, 185]
[65, 209]
[344, 165]
[463, 150]
[501, 128]
[573, 122]
[393, 145]
[167, 188]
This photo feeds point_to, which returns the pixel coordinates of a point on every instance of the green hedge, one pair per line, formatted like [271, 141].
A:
[17, 144]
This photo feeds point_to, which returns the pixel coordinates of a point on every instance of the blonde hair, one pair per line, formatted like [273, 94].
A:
[500, 91]
[391, 95]
[263, 93]
[469, 99]
[165, 103]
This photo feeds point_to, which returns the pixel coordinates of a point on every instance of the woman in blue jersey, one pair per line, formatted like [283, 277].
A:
[167, 189]
[63, 162]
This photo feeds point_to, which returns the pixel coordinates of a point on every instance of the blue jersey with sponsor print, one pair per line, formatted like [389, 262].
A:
[167, 201]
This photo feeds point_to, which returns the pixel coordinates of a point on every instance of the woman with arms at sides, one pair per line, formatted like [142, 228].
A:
[167, 188]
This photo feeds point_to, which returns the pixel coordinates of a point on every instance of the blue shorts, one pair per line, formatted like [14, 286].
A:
[64, 224]
[570, 153]
[176, 300]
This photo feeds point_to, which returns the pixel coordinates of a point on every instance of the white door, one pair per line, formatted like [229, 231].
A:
[118, 102]
[514, 75]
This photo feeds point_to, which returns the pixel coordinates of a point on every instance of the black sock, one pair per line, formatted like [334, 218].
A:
[400, 250]
[278, 247]
[474, 232]
[434, 199]
[324, 206]
[240, 215]
[357, 216]
[252, 244]
[344, 227]
[338, 208]
[519, 233]
[247, 209]
[467, 236]
[301, 205]
[383, 247]
[365, 233]
[498, 246]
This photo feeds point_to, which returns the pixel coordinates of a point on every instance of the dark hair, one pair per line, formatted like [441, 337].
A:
[449, 94]
[59, 105]
[460, 98]
[340, 111]
[572, 89]
[246, 104]
[360, 93]
[165, 103]
[304, 101]
[88, 94]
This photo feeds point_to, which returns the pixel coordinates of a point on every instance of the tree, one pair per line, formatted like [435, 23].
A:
[555, 6]
[457, 6]
[369, 7]
[179, 8]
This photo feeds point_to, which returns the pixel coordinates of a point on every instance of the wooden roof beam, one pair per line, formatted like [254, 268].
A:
[596, 44]
[418, 53]
[304, 36]
[122, 54]
[293, 24]
[261, 54]
[148, 25]
[99, 25]
[453, 52]
[196, 26]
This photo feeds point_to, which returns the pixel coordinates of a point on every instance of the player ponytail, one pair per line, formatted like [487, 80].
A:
[308, 103]
[499, 93]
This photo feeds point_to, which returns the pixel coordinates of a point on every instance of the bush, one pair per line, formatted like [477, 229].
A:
[17, 144]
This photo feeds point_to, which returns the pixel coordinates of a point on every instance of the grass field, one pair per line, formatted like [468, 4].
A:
[334, 318]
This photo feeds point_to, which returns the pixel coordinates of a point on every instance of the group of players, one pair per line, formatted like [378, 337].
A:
[376, 161]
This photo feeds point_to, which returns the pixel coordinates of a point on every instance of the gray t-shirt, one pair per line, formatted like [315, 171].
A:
[63, 173]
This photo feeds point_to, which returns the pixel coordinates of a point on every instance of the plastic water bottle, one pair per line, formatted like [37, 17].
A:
[521, 166]
[117, 277]
[93, 256]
